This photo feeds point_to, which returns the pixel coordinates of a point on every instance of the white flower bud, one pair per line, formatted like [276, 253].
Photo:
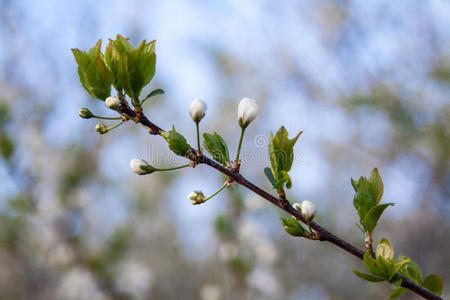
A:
[308, 210]
[101, 128]
[140, 167]
[112, 102]
[197, 110]
[247, 111]
[196, 197]
[297, 206]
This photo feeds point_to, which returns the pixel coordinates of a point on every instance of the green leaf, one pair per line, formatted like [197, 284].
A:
[292, 226]
[377, 185]
[114, 50]
[412, 272]
[354, 184]
[177, 142]
[216, 146]
[135, 68]
[371, 265]
[153, 94]
[373, 215]
[398, 292]
[364, 199]
[269, 175]
[371, 278]
[95, 77]
[384, 250]
[399, 263]
[83, 60]
[434, 284]
[385, 258]
[281, 154]
[99, 78]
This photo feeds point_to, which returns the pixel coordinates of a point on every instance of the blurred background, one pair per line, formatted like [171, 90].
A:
[367, 81]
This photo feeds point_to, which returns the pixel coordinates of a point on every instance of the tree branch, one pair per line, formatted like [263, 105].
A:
[324, 235]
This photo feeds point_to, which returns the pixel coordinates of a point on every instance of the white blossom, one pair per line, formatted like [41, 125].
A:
[308, 210]
[197, 110]
[112, 102]
[247, 112]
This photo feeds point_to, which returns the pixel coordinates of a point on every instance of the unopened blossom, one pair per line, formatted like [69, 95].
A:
[247, 111]
[196, 197]
[197, 110]
[140, 167]
[85, 113]
[101, 128]
[112, 102]
[308, 210]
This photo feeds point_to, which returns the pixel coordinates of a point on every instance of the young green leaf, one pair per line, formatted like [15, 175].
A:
[371, 278]
[412, 272]
[292, 226]
[398, 292]
[99, 78]
[373, 215]
[95, 77]
[434, 284]
[153, 94]
[354, 184]
[364, 199]
[386, 267]
[377, 185]
[269, 175]
[281, 154]
[136, 68]
[216, 146]
[114, 50]
[177, 142]
[399, 263]
[371, 265]
[384, 250]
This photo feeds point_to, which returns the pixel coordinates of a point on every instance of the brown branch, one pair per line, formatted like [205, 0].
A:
[324, 235]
